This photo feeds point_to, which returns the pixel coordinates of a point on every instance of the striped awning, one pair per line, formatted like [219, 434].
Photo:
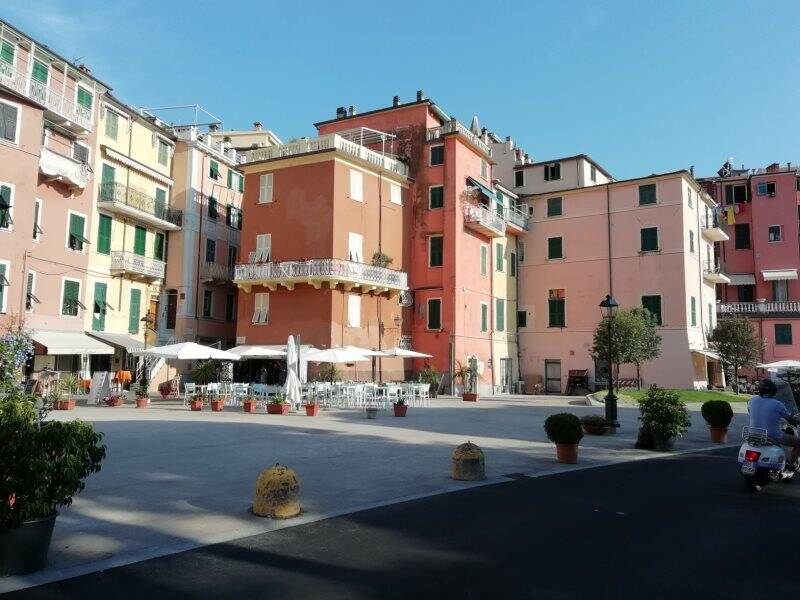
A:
[130, 344]
[742, 279]
[779, 274]
[69, 342]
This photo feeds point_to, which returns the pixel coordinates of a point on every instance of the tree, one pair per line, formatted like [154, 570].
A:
[736, 343]
[635, 339]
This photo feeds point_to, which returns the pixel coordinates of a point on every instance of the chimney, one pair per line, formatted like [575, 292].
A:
[341, 112]
[351, 111]
[773, 167]
[84, 69]
[214, 127]
[396, 101]
[257, 125]
[691, 170]
[420, 96]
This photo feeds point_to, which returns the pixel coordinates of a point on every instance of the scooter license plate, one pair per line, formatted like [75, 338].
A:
[748, 468]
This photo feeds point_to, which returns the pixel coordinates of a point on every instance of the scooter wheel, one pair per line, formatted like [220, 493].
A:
[753, 483]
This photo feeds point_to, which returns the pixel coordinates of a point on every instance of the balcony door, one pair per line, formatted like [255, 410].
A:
[355, 247]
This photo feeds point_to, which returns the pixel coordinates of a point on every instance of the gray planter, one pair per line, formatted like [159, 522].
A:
[372, 413]
[24, 549]
[662, 443]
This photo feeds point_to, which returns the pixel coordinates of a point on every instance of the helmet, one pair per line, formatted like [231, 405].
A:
[767, 388]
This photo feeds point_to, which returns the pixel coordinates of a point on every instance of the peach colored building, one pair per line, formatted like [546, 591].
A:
[646, 241]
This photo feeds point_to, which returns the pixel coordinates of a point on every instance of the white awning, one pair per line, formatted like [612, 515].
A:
[707, 354]
[127, 342]
[70, 342]
[779, 274]
[742, 279]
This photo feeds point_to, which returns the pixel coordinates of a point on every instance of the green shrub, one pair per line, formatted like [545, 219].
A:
[663, 413]
[278, 399]
[330, 373]
[204, 373]
[563, 428]
[595, 421]
[717, 413]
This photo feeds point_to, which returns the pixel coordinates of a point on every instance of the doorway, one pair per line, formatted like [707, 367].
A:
[552, 376]
[506, 379]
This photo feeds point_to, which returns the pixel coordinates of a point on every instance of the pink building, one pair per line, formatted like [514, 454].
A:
[762, 254]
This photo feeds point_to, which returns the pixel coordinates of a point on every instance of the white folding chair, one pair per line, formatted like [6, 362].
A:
[189, 389]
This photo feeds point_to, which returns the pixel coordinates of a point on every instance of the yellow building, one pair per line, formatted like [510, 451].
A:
[132, 214]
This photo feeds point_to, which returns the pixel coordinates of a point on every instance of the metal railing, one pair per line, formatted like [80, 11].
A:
[516, 216]
[130, 262]
[329, 142]
[41, 94]
[778, 306]
[713, 268]
[453, 126]
[216, 271]
[322, 268]
[119, 192]
[474, 213]
[57, 165]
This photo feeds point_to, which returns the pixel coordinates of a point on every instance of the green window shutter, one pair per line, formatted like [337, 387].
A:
[8, 122]
[76, 231]
[40, 71]
[484, 260]
[112, 124]
[555, 247]
[556, 312]
[7, 53]
[161, 203]
[133, 315]
[104, 235]
[69, 303]
[163, 153]
[436, 251]
[36, 228]
[5, 207]
[241, 183]
[139, 240]
[649, 239]
[85, 98]
[484, 317]
[499, 258]
[99, 308]
[653, 305]
[783, 334]
[437, 197]
[230, 179]
[647, 194]
[500, 314]
[213, 170]
[693, 310]
[158, 246]
[107, 182]
[213, 211]
[555, 207]
[2, 289]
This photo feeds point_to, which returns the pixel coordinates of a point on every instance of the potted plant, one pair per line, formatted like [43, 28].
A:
[312, 406]
[196, 402]
[431, 377]
[142, 399]
[379, 259]
[165, 389]
[44, 464]
[278, 405]
[115, 400]
[564, 429]
[67, 387]
[467, 377]
[595, 424]
[400, 408]
[718, 415]
[330, 373]
[249, 404]
[217, 404]
[664, 416]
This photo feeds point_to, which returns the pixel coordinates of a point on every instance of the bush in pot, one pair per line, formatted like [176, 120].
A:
[400, 408]
[431, 377]
[595, 424]
[311, 405]
[664, 416]
[278, 405]
[564, 429]
[196, 402]
[142, 397]
[718, 414]
[249, 404]
[216, 404]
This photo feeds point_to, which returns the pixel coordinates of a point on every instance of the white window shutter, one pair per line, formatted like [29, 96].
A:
[265, 188]
[265, 308]
[356, 185]
[355, 247]
[264, 247]
[354, 310]
[395, 193]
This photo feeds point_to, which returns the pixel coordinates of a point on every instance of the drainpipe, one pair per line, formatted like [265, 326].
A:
[199, 248]
[492, 316]
[608, 228]
[516, 317]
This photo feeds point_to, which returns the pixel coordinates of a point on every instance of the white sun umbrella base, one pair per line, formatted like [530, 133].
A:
[188, 351]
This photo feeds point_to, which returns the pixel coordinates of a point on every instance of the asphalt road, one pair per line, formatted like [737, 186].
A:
[682, 527]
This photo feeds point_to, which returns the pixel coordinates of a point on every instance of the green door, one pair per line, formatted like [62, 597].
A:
[133, 316]
[107, 182]
[104, 235]
[161, 203]
[139, 240]
[99, 308]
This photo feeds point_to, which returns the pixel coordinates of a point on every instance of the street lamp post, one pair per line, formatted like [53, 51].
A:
[609, 307]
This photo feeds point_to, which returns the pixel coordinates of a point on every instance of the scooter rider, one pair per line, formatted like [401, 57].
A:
[766, 412]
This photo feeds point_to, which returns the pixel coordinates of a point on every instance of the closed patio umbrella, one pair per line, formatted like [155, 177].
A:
[292, 386]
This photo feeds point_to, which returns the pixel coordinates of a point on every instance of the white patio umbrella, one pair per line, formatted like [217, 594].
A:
[292, 386]
[402, 352]
[188, 351]
[781, 364]
[364, 351]
[246, 352]
[336, 355]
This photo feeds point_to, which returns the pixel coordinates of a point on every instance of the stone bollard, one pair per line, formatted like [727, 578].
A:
[277, 493]
[468, 463]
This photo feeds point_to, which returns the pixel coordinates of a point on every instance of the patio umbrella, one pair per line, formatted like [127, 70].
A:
[397, 351]
[364, 351]
[781, 364]
[335, 355]
[246, 352]
[187, 351]
[292, 386]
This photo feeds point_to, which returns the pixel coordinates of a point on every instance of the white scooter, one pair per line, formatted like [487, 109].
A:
[762, 461]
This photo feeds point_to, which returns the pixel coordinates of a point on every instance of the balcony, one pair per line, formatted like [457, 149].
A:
[516, 218]
[713, 230]
[453, 126]
[57, 167]
[483, 220]
[216, 274]
[330, 141]
[780, 308]
[121, 199]
[57, 107]
[714, 273]
[136, 266]
[315, 272]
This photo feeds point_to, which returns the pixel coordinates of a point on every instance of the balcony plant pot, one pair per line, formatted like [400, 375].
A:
[312, 410]
[567, 453]
[24, 549]
[278, 409]
[196, 404]
[372, 412]
[216, 405]
[65, 404]
[249, 406]
[662, 443]
[719, 435]
[400, 410]
[142, 402]
[469, 396]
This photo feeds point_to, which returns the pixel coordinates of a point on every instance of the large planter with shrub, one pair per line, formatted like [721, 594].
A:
[400, 408]
[718, 414]
[196, 404]
[469, 396]
[24, 549]
[664, 416]
[142, 402]
[249, 405]
[66, 404]
[564, 429]
[278, 408]
[595, 424]
[216, 405]
[312, 410]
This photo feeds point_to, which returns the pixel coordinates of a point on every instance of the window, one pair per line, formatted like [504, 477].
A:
[356, 185]
[500, 257]
[37, 220]
[783, 334]
[775, 233]
[436, 196]
[556, 300]
[30, 292]
[519, 178]
[265, 188]
[233, 253]
[235, 181]
[691, 202]
[6, 206]
[211, 251]
[735, 193]
[163, 152]
[395, 194]
[104, 234]
[766, 188]
[513, 264]
[484, 259]
[500, 314]
[213, 208]
[693, 311]
[40, 72]
[355, 247]
[522, 318]
[213, 169]
[161, 203]
[653, 305]
[112, 124]
[261, 310]
[592, 172]
[746, 293]
[555, 247]
[70, 297]
[107, 186]
[75, 237]
[5, 271]
[230, 309]
[710, 317]
[234, 217]
[521, 251]
[263, 247]
[484, 317]
[80, 152]
[555, 207]
[139, 240]
[7, 52]
[484, 169]
[780, 290]
[437, 155]
[649, 239]
[552, 172]
[99, 306]
[85, 98]
[354, 310]
[500, 205]
[434, 313]
[9, 122]
[208, 303]
[742, 236]
[691, 241]
[647, 194]
[435, 251]
[158, 246]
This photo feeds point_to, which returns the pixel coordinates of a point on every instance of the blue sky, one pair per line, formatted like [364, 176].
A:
[641, 86]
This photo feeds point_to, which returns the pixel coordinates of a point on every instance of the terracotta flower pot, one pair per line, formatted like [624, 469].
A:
[312, 410]
[141, 402]
[469, 396]
[249, 406]
[400, 410]
[116, 402]
[65, 405]
[196, 404]
[567, 453]
[278, 409]
[719, 435]
[216, 405]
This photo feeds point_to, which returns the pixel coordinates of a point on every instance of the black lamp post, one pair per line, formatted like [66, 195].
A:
[609, 307]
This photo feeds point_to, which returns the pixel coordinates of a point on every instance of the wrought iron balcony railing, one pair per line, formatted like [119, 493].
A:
[137, 265]
[62, 168]
[119, 193]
